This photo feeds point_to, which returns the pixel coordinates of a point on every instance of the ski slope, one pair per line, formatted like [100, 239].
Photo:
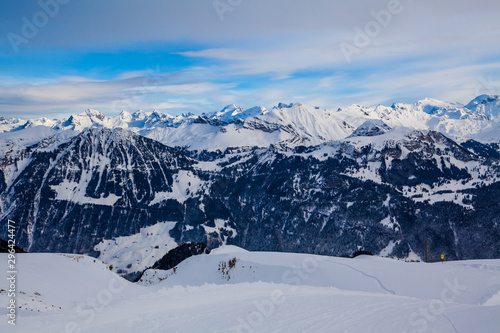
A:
[256, 292]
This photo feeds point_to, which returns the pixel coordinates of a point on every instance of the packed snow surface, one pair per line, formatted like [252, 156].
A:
[232, 290]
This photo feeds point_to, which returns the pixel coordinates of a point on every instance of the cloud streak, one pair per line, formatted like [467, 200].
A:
[108, 54]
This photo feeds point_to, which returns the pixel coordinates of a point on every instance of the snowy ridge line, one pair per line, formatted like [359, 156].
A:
[294, 124]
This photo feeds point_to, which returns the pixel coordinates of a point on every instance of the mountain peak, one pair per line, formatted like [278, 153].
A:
[229, 108]
[487, 105]
[433, 106]
[93, 114]
[283, 106]
[86, 119]
[482, 99]
[126, 116]
[372, 127]
[140, 115]
[228, 113]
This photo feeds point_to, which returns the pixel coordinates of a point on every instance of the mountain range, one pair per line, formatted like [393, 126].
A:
[297, 178]
[292, 124]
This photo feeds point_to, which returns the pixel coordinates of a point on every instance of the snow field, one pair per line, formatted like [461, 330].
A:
[257, 292]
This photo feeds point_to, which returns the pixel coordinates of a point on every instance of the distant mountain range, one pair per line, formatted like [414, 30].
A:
[289, 124]
[298, 178]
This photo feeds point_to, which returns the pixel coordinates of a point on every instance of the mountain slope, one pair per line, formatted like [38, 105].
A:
[486, 105]
[296, 179]
[105, 191]
[98, 175]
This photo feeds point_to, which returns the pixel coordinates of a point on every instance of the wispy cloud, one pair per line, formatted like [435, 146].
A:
[128, 91]
[180, 56]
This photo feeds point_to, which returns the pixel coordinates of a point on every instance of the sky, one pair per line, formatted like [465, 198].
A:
[60, 57]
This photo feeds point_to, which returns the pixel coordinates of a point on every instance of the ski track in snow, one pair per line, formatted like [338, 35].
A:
[451, 323]
[381, 285]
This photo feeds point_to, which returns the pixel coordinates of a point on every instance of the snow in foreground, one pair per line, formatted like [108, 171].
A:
[232, 290]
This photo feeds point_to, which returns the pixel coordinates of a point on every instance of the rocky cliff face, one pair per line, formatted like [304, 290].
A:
[98, 184]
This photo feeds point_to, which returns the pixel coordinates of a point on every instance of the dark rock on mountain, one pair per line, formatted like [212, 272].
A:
[371, 128]
[361, 253]
[173, 258]
[482, 149]
[179, 254]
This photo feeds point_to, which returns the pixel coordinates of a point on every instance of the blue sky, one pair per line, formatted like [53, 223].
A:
[60, 57]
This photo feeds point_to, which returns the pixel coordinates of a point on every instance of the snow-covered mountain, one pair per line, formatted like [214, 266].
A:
[485, 105]
[289, 124]
[371, 128]
[297, 178]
